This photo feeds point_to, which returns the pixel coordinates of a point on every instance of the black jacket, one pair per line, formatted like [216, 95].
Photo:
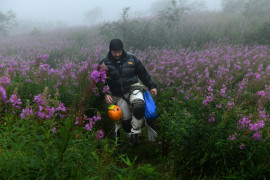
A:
[122, 74]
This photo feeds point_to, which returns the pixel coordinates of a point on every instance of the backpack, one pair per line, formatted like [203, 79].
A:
[150, 106]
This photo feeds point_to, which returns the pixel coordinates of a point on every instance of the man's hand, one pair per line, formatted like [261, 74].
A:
[108, 99]
[154, 91]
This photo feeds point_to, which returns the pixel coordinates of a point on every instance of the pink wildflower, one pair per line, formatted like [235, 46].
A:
[61, 107]
[89, 126]
[261, 93]
[230, 105]
[39, 100]
[219, 106]
[5, 80]
[99, 135]
[256, 136]
[210, 89]
[26, 112]
[211, 117]
[223, 92]
[3, 93]
[106, 89]
[242, 146]
[257, 76]
[253, 127]
[232, 137]
[53, 130]
[15, 101]
[243, 123]
[262, 114]
[237, 67]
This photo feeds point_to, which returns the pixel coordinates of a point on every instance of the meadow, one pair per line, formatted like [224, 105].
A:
[213, 103]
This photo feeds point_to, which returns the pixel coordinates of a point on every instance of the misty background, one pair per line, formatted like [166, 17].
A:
[141, 24]
[51, 13]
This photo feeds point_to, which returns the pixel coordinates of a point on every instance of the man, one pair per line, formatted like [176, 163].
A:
[124, 70]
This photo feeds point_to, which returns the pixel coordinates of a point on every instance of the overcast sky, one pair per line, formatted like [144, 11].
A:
[72, 11]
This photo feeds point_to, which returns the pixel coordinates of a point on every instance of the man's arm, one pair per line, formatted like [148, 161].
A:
[145, 77]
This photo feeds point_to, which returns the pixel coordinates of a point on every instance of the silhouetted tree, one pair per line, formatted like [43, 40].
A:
[7, 21]
[93, 15]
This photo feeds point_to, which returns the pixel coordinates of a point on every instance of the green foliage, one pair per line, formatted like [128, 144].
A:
[179, 27]
[30, 150]
[143, 171]
[261, 35]
[200, 148]
[142, 33]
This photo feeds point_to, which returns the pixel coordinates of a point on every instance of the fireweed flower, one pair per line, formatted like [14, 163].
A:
[211, 117]
[207, 100]
[91, 121]
[256, 126]
[89, 126]
[97, 52]
[230, 105]
[242, 146]
[237, 67]
[95, 76]
[77, 121]
[42, 57]
[59, 110]
[212, 82]
[15, 101]
[95, 91]
[106, 90]
[50, 111]
[223, 91]
[61, 107]
[256, 136]
[97, 118]
[261, 124]
[268, 68]
[206, 73]
[5, 80]
[253, 127]
[41, 115]
[99, 135]
[262, 114]
[261, 93]
[53, 130]
[219, 106]
[39, 100]
[45, 57]
[210, 89]
[98, 76]
[260, 67]
[95, 66]
[243, 123]
[232, 137]
[3, 94]
[257, 76]
[26, 113]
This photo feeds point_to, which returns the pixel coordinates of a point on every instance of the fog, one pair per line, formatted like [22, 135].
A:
[72, 12]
